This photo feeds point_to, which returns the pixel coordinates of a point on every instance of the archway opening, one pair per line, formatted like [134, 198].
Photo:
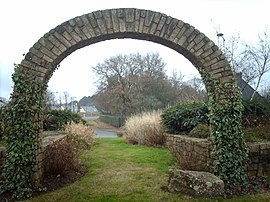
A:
[34, 72]
[76, 77]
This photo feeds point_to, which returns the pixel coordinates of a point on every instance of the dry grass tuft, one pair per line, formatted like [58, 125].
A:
[145, 129]
[61, 157]
[63, 154]
[82, 136]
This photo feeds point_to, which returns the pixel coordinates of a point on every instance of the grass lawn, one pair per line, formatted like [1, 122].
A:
[121, 172]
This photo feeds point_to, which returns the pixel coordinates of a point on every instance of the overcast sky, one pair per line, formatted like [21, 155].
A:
[23, 22]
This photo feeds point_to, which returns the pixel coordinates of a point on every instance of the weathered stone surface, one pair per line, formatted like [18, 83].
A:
[197, 154]
[195, 183]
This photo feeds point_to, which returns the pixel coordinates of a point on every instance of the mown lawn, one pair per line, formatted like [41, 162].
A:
[121, 172]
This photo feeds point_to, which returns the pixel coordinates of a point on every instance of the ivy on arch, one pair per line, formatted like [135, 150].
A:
[21, 129]
[230, 150]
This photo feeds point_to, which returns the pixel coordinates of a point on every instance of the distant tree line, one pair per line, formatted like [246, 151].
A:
[63, 102]
[133, 83]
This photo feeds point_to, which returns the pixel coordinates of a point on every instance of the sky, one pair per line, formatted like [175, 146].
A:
[23, 22]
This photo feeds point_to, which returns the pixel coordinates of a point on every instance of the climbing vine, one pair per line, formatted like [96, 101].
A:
[230, 151]
[21, 129]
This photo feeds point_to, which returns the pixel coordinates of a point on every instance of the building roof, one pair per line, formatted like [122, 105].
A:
[246, 89]
[3, 101]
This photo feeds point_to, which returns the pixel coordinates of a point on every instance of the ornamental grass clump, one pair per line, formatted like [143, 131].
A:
[63, 154]
[145, 129]
[82, 136]
[62, 157]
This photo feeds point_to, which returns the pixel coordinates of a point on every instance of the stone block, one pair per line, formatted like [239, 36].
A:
[264, 145]
[102, 25]
[194, 183]
[153, 28]
[254, 157]
[122, 25]
[265, 151]
[48, 53]
[267, 173]
[80, 33]
[267, 167]
[264, 159]
[253, 147]
[161, 23]
[130, 14]
[252, 167]
[227, 79]
[252, 173]
[36, 52]
[130, 27]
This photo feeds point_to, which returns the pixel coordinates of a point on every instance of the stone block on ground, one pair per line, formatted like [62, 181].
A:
[195, 183]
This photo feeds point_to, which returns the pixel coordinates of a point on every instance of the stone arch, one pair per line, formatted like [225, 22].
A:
[103, 25]
[45, 55]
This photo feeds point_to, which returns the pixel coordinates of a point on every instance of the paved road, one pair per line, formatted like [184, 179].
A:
[101, 132]
[105, 133]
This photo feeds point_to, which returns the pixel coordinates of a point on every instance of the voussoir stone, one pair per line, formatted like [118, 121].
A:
[195, 183]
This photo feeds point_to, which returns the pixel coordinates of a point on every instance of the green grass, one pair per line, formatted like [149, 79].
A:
[121, 172]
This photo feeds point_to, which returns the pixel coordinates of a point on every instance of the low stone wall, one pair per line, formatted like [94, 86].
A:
[47, 142]
[196, 154]
[259, 159]
[191, 153]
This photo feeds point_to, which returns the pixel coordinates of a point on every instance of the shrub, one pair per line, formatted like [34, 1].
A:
[82, 136]
[56, 119]
[145, 129]
[182, 118]
[200, 131]
[255, 135]
[255, 107]
[61, 156]
[251, 134]
[256, 119]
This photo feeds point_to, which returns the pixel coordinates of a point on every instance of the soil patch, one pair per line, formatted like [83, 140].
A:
[54, 182]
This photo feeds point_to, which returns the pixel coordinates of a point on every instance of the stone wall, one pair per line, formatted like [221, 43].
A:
[191, 153]
[42, 153]
[196, 154]
[259, 159]
[47, 142]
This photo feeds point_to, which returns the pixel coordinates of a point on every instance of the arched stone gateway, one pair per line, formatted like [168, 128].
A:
[99, 26]
[45, 55]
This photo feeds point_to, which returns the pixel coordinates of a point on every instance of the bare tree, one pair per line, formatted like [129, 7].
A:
[252, 61]
[199, 91]
[115, 75]
[258, 58]
[50, 100]
[66, 98]
[265, 92]
[132, 83]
